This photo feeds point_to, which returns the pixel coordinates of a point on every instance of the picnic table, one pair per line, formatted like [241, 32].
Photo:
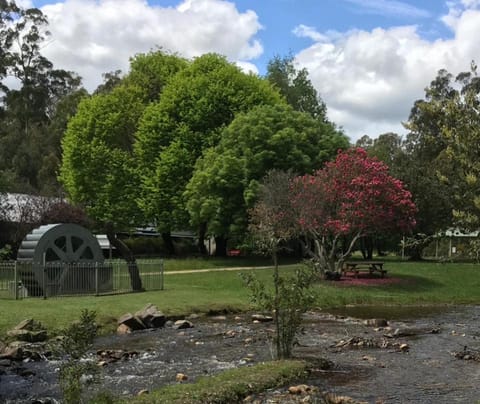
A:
[363, 266]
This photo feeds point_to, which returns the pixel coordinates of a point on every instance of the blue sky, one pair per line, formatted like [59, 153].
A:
[368, 59]
[281, 17]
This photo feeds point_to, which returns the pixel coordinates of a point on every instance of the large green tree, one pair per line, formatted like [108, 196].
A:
[99, 170]
[295, 86]
[456, 116]
[29, 107]
[188, 119]
[226, 180]
[443, 141]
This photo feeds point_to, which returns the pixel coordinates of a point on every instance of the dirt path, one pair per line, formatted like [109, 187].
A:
[196, 271]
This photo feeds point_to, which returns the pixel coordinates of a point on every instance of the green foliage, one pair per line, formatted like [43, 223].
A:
[78, 337]
[288, 300]
[473, 250]
[446, 124]
[296, 87]
[6, 252]
[70, 379]
[231, 386]
[195, 106]
[76, 340]
[98, 170]
[30, 114]
[104, 397]
[152, 71]
[226, 179]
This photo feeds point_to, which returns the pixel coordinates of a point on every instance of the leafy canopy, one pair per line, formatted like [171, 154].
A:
[99, 169]
[196, 105]
[226, 180]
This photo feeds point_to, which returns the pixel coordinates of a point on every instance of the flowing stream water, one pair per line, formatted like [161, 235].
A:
[416, 364]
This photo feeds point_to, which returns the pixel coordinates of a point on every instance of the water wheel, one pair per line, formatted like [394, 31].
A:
[62, 259]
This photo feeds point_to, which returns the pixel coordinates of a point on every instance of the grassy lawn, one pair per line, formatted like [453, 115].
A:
[419, 283]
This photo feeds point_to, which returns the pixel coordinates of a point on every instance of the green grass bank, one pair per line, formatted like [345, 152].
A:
[417, 283]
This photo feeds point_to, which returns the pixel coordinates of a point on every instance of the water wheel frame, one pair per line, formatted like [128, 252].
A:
[60, 259]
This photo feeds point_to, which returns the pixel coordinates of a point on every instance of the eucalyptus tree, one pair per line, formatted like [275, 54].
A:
[30, 105]
[452, 107]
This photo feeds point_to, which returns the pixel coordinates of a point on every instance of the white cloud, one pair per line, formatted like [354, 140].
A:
[92, 37]
[24, 3]
[391, 8]
[309, 32]
[247, 67]
[370, 79]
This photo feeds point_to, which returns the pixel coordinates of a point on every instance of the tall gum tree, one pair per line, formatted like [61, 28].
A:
[29, 154]
[452, 106]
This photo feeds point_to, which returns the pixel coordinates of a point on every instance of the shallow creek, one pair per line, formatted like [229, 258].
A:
[425, 371]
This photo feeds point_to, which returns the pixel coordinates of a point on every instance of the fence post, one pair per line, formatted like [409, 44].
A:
[43, 282]
[15, 280]
[96, 278]
[162, 279]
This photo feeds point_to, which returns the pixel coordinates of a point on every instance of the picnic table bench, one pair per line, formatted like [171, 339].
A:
[363, 266]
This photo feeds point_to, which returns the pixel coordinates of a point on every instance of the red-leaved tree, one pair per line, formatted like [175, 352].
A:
[349, 198]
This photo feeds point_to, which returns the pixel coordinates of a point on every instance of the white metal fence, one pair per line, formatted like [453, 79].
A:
[20, 280]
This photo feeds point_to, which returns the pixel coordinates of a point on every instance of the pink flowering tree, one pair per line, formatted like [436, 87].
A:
[351, 197]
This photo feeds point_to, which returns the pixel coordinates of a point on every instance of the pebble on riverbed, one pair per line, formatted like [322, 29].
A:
[467, 355]
[261, 318]
[181, 377]
[300, 389]
[182, 324]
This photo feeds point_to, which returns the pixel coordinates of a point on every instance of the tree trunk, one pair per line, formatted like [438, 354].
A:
[220, 246]
[415, 254]
[128, 256]
[366, 247]
[168, 242]
[202, 230]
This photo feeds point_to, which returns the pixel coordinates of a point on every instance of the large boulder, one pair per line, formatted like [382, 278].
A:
[132, 322]
[28, 330]
[28, 336]
[151, 316]
[12, 352]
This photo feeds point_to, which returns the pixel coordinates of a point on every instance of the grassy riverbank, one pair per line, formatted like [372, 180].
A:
[230, 386]
[417, 284]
